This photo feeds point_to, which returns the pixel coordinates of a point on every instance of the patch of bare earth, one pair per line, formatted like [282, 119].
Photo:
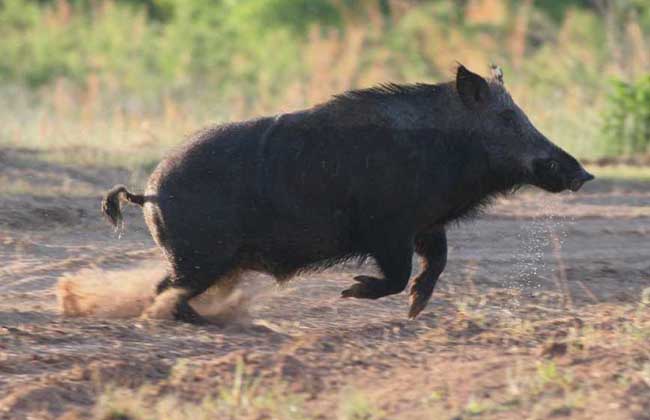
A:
[540, 314]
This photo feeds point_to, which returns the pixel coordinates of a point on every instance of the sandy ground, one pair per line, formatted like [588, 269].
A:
[541, 313]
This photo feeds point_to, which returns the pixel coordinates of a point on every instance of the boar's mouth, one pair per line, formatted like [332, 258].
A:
[577, 182]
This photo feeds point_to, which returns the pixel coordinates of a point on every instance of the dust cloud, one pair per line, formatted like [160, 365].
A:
[120, 294]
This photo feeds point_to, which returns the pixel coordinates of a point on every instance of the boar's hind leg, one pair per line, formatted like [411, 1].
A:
[394, 255]
[164, 284]
[191, 279]
[432, 246]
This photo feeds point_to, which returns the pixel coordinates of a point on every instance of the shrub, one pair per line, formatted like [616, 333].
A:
[627, 118]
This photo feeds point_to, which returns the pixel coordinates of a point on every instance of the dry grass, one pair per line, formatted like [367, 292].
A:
[98, 123]
[243, 399]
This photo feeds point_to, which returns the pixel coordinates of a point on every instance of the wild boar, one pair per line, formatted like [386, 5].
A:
[378, 173]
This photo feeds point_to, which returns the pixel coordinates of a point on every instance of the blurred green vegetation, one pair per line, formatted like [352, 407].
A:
[110, 77]
[627, 118]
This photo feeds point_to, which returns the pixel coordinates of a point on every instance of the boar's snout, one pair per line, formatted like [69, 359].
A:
[577, 182]
[559, 171]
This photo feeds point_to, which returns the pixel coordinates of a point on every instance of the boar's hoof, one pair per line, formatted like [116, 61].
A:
[185, 313]
[419, 300]
[366, 288]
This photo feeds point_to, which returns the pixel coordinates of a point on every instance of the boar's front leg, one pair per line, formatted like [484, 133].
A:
[393, 252]
[432, 246]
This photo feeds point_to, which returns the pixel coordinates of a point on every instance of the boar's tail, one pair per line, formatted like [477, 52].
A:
[111, 203]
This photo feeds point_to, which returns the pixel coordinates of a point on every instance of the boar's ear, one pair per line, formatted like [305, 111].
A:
[497, 73]
[472, 88]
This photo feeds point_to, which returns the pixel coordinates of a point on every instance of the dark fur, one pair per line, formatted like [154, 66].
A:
[372, 173]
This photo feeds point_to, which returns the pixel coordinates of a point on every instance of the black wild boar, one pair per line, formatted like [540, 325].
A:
[377, 172]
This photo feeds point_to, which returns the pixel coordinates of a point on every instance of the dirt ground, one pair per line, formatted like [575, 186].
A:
[543, 312]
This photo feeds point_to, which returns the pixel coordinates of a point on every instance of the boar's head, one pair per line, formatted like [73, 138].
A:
[514, 146]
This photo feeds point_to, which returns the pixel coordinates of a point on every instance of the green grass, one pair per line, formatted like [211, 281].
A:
[143, 78]
[355, 405]
[243, 399]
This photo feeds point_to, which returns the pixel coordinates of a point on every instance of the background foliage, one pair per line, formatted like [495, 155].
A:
[627, 120]
[110, 77]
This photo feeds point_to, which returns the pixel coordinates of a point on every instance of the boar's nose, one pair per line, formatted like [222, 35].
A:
[579, 180]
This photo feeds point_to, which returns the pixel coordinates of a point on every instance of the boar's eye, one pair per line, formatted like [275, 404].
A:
[552, 165]
[508, 116]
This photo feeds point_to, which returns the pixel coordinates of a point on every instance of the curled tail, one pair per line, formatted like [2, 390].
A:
[111, 203]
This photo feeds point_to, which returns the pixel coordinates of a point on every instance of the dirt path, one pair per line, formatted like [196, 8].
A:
[539, 314]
